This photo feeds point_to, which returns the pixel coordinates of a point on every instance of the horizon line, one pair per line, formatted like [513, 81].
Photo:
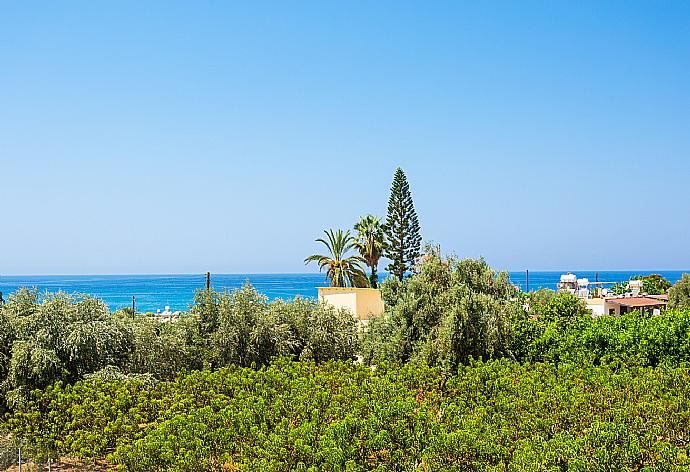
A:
[203, 274]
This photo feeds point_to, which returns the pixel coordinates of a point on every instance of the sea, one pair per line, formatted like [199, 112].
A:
[155, 292]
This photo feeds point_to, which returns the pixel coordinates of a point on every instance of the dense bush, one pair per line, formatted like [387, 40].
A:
[46, 338]
[452, 311]
[606, 393]
[243, 328]
[655, 284]
[542, 324]
[338, 416]
[56, 337]
[447, 313]
[559, 328]
[679, 293]
[652, 284]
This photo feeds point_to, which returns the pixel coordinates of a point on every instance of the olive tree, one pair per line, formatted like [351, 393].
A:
[59, 337]
[679, 293]
[244, 328]
[450, 311]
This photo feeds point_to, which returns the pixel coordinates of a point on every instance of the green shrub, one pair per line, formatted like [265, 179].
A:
[652, 284]
[337, 416]
[679, 293]
[655, 284]
[49, 337]
[447, 313]
[562, 330]
[243, 328]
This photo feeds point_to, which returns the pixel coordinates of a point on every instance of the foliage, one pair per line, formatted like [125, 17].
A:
[342, 270]
[371, 242]
[164, 349]
[655, 284]
[451, 311]
[562, 330]
[46, 338]
[679, 293]
[496, 416]
[543, 331]
[652, 284]
[6, 339]
[402, 228]
[58, 337]
[250, 331]
[606, 393]
[619, 288]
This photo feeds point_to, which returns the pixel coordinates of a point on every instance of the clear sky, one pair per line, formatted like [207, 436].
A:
[158, 137]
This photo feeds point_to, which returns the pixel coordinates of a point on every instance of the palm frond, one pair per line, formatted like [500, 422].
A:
[341, 270]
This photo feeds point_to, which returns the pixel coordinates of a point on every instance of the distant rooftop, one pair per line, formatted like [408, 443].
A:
[636, 301]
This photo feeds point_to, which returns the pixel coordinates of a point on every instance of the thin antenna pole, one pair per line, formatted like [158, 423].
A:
[208, 280]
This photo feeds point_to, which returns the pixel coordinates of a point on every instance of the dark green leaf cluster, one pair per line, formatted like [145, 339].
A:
[371, 243]
[402, 228]
[54, 337]
[679, 294]
[46, 338]
[655, 284]
[449, 312]
[652, 284]
[337, 416]
[342, 270]
[453, 311]
[559, 328]
[243, 328]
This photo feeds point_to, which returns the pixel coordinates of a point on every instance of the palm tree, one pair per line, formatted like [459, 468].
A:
[370, 242]
[342, 271]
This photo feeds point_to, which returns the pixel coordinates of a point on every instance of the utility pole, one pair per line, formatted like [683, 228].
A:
[208, 280]
[527, 280]
[134, 307]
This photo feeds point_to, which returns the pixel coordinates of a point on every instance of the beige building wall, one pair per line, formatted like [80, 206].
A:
[363, 303]
[597, 306]
[612, 308]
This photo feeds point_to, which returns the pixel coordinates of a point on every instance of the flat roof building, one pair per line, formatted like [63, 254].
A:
[646, 305]
[363, 303]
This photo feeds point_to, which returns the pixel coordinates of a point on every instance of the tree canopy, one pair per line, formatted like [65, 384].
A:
[450, 311]
[402, 228]
[341, 270]
[371, 243]
[679, 293]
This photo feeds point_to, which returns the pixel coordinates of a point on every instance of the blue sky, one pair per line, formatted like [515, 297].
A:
[158, 137]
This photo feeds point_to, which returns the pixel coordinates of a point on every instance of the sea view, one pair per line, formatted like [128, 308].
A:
[155, 292]
[344, 236]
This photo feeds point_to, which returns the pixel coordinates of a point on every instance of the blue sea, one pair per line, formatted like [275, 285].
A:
[154, 292]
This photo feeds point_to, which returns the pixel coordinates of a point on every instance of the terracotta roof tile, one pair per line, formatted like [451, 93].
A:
[636, 301]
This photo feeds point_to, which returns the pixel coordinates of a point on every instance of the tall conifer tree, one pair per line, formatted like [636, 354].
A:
[402, 227]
